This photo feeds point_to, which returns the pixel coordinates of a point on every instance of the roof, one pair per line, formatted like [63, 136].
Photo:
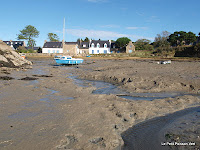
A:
[100, 42]
[34, 48]
[84, 45]
[15, 44]
[52, 45]
[71, 43]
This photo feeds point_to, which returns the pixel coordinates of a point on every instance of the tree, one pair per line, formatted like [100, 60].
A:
[182, 37]
[190, 38]
[143, 44]
[86, 40]
[121, 42]
[29, 33]
[39, 50]
[53, 37]
[161, 39]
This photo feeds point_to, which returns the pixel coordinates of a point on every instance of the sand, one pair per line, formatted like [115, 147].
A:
[42, 107]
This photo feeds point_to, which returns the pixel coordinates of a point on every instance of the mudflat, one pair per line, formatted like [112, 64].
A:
[46, 107]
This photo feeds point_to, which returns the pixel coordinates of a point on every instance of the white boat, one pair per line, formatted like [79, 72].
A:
[67, 60]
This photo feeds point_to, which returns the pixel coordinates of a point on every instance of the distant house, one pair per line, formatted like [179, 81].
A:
[33, 48]
[71, 48]
[130, 48]
[84, 47]
[15, 44]
[52, 47]
[99, 47]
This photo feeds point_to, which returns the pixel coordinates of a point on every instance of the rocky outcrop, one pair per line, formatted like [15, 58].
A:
[10, 58]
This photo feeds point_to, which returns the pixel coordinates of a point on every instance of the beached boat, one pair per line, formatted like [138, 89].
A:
[23, 55]
[67, 60]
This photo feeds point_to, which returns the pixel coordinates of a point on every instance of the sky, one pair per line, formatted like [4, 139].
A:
[98, 19]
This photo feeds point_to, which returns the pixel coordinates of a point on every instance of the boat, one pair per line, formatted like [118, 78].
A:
[67, 60]
[23, 55]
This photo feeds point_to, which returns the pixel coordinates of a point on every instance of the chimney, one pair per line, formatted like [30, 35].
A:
[110, 41]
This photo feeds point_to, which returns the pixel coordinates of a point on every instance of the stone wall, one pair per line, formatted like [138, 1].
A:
[70, 49]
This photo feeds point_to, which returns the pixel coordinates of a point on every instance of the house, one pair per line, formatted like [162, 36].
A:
[15, 44]
[71, 48]
[84, 47]
[130, 48]
[52, 47]
[99, 47]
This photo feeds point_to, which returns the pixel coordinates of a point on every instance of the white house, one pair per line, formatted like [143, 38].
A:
[52, 47]
[99, 47]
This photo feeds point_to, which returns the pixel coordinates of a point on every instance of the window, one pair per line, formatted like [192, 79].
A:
[7, 42]
[130, 51]
[84, 45]
[105, 45]
[92, 51]
[98, 45]
[15, 42]
[97, 51]
[130, 46]
[53, 51]
[49, 51]
[105, 51]
[57, 51]
[92, 44]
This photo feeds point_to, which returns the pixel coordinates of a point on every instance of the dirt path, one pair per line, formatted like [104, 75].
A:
[146, 135]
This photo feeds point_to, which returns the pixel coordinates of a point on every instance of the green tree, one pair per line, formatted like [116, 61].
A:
[29, 33]
[121, 42]
[39, 50]
[143, 44]
[190, 38]
[182, 37]
[53, 37]
[161, 39]
[86, 40]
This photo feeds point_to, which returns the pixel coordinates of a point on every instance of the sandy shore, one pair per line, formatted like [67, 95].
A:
[42, 107]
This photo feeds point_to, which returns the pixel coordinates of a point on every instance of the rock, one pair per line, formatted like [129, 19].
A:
[10, 58]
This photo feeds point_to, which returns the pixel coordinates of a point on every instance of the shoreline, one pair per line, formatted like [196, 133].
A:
[54, 105]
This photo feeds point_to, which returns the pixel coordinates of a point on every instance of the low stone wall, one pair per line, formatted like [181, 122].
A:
[41, 54]
[49, 55]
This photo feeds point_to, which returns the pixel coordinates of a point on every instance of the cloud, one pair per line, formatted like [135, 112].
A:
[96, 34]
[136, 28]
[110, 26]
[153, 19]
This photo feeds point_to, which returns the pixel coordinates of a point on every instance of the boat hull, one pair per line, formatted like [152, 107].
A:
[69, 62]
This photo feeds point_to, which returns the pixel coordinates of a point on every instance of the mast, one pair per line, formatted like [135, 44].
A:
[64, 32]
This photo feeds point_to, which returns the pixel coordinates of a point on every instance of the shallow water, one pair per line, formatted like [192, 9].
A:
[108, 88]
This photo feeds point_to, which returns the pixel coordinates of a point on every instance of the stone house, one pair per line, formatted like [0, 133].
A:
[130, 48]
[71, 48]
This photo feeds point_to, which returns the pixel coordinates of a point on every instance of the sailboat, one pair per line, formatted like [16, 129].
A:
[67, 60]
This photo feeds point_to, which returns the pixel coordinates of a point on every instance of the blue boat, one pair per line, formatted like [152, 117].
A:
[67, 60]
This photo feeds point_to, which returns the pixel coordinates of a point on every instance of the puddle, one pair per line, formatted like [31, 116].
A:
[108, 88]
[52, 91]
